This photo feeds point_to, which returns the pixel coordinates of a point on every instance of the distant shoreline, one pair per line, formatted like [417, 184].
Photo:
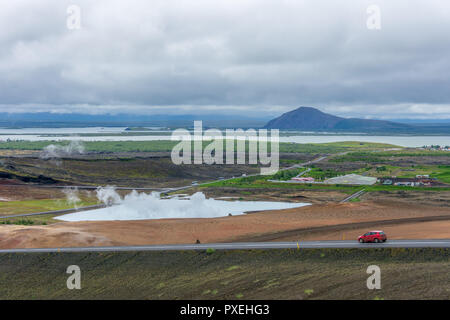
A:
[156, 131]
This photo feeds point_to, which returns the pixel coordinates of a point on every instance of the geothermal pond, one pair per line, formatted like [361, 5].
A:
[141, 206]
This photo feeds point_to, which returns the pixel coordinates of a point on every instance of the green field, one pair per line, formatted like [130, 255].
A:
[285, 175]
[160, 146]
[323, 174]
[375, 161]
[209, 274]
[42, 205]
[262, 182]
[385, 156]
[440, 172]
[44, 219]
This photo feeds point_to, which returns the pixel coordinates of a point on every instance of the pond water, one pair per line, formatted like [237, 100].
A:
[142, 206]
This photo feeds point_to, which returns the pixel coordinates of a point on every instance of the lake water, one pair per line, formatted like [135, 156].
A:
[39, 134]
[403, 141]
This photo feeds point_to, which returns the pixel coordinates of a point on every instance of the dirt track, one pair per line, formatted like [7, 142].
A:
[331, 221]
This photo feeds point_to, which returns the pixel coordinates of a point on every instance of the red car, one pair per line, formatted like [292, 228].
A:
[373, 236]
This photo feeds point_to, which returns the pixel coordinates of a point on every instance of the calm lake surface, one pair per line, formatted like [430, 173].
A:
[62, 134]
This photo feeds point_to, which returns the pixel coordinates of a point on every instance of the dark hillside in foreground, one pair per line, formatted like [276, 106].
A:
[249, 274]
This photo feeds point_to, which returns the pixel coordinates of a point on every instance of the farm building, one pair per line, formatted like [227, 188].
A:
[409, 182]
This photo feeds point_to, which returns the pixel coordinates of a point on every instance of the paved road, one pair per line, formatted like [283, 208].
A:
[444, 243]
[303, 172]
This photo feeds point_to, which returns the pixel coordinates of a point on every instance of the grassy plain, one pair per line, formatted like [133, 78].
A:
[40, 205]
[148, 164]
[262, 182]
[44, 219]
[167, 146]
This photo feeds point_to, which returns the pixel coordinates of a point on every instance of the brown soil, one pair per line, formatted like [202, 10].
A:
[18, 153]
[423, 197]
[262, 225]
[274, 194]
[28, 192]
[46, 236]
[421, 230]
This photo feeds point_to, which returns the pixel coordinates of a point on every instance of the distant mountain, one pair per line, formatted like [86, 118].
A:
[312, 119]
[434, 122]
[304, 118]
[47, 119]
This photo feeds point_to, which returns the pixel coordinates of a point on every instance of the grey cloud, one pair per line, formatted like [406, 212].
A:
[226, 55]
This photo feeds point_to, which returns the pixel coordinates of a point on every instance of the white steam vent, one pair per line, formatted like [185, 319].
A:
[59, 151]
[141, 206]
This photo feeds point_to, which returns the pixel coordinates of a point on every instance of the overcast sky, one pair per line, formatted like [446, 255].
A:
[249, 57]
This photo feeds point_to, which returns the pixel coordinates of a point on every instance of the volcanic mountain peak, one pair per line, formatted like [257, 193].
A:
[305, 118]
[312, 119]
